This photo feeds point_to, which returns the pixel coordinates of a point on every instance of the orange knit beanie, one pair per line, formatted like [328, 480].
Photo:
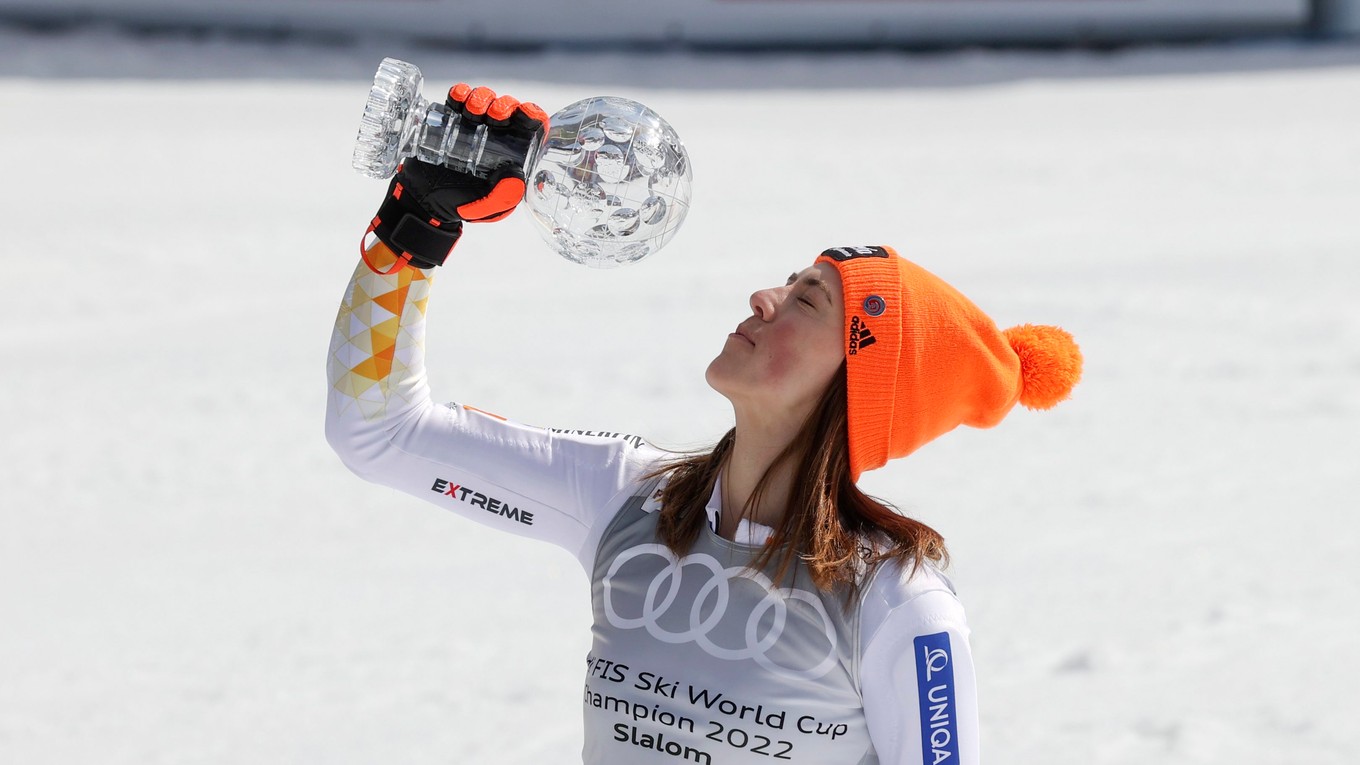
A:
[921, 359]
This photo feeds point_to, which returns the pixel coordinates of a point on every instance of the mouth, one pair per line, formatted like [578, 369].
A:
[742, 335]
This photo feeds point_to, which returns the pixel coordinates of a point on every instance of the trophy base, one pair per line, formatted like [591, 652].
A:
[386, 125]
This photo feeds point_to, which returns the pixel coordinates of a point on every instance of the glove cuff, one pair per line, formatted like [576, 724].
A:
[428, 243]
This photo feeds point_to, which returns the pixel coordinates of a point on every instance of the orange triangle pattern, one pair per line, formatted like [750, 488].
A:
[392, 301]
[382, 343]
[370, 320]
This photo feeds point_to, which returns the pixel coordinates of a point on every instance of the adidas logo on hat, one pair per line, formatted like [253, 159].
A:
[860, 336]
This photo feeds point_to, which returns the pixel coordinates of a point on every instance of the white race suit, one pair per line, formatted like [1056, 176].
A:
[694, 659]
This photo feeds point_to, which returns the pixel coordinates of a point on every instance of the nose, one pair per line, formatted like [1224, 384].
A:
[764, 302]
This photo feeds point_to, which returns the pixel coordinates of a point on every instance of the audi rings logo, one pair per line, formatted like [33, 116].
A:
[716, 594]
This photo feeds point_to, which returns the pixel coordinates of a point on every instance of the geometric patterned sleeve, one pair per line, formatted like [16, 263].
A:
[378, 338]
[543, 483]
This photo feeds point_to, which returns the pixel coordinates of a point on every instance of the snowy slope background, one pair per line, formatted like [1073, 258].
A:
[1163, 569]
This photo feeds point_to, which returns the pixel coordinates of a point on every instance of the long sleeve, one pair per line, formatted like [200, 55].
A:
[536, 482]
[917, 679]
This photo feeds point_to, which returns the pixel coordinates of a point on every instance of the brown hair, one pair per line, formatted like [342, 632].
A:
[830, 524]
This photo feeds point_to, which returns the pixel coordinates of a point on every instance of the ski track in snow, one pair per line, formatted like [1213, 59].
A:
[1156, 571]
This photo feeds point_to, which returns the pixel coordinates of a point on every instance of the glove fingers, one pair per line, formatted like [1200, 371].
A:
[479, 100]
[459, 93]
[501, 109]
[534, 113]
[482, 101]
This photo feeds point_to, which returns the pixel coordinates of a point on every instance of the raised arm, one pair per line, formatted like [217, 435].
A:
[380, 420]
[531, 481]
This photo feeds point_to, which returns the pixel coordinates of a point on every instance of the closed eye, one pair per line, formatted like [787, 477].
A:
[812, 281]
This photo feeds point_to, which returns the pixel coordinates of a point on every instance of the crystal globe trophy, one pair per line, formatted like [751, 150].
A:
[608, 184]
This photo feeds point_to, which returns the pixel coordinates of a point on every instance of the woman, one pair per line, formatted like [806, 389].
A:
[750, 604]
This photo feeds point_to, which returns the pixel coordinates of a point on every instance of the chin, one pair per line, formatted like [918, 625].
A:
[711, 376]
[715, 378]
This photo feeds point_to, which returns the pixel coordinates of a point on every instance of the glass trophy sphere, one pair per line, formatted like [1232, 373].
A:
[611, 184]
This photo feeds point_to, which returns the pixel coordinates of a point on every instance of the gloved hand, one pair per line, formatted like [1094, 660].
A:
[422, 216]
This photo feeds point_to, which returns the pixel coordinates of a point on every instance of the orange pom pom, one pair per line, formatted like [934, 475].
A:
[1050, 363]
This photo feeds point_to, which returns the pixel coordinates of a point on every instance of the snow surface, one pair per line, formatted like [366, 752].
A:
[1164, 569]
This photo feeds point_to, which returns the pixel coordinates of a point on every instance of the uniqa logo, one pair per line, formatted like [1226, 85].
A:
[936, 659]
[935, 685]
[664, 588]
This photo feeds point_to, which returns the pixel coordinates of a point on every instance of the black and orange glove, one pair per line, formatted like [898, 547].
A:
[422, 216]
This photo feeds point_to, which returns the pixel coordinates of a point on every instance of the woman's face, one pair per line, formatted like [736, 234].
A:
[784, 355]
